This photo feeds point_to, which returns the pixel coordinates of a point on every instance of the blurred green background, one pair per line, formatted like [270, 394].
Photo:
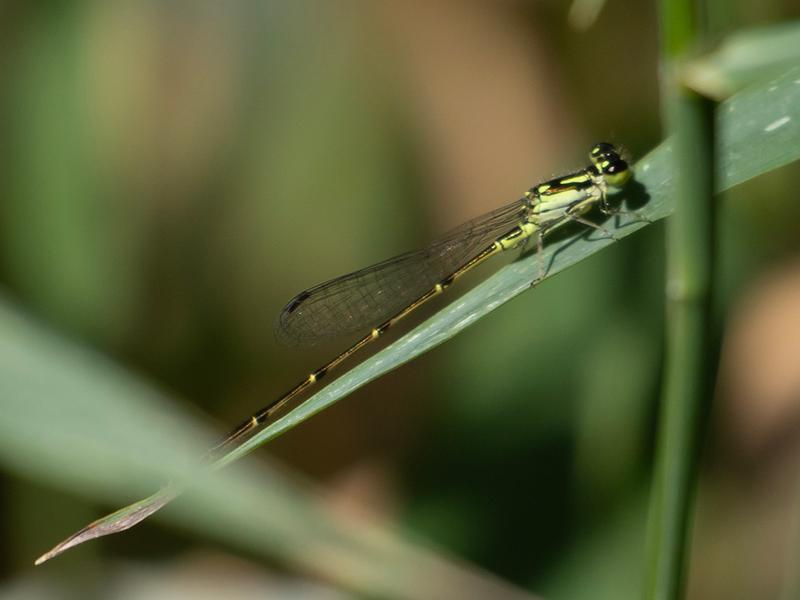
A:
[173, 172]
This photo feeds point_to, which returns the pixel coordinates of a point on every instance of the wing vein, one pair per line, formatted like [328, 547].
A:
[365, 298]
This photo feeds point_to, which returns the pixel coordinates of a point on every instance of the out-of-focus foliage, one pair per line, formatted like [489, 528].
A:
[173, 172]
[744, 58]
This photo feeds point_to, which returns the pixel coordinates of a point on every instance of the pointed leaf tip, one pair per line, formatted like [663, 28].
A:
[123, 519]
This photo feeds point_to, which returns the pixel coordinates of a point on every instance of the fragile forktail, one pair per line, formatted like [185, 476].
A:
[375, 298]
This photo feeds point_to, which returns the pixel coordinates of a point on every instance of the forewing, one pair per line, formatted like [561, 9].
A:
[366, 298]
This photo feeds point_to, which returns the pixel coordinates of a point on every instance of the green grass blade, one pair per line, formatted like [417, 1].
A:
[75, 420]
[760, 131]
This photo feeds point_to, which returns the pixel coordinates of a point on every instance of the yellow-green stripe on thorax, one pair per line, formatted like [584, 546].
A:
[553, 202]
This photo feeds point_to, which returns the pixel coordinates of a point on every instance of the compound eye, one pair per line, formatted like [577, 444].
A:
[601, 149]
[616, 172]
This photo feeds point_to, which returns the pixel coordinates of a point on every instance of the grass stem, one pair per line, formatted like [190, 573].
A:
[690, 256]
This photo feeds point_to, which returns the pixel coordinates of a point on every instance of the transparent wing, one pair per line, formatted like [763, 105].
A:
[366, 298]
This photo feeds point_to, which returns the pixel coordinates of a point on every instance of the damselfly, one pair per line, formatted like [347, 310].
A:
[373, 299]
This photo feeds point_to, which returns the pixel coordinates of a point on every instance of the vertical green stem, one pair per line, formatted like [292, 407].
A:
[688, 370]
